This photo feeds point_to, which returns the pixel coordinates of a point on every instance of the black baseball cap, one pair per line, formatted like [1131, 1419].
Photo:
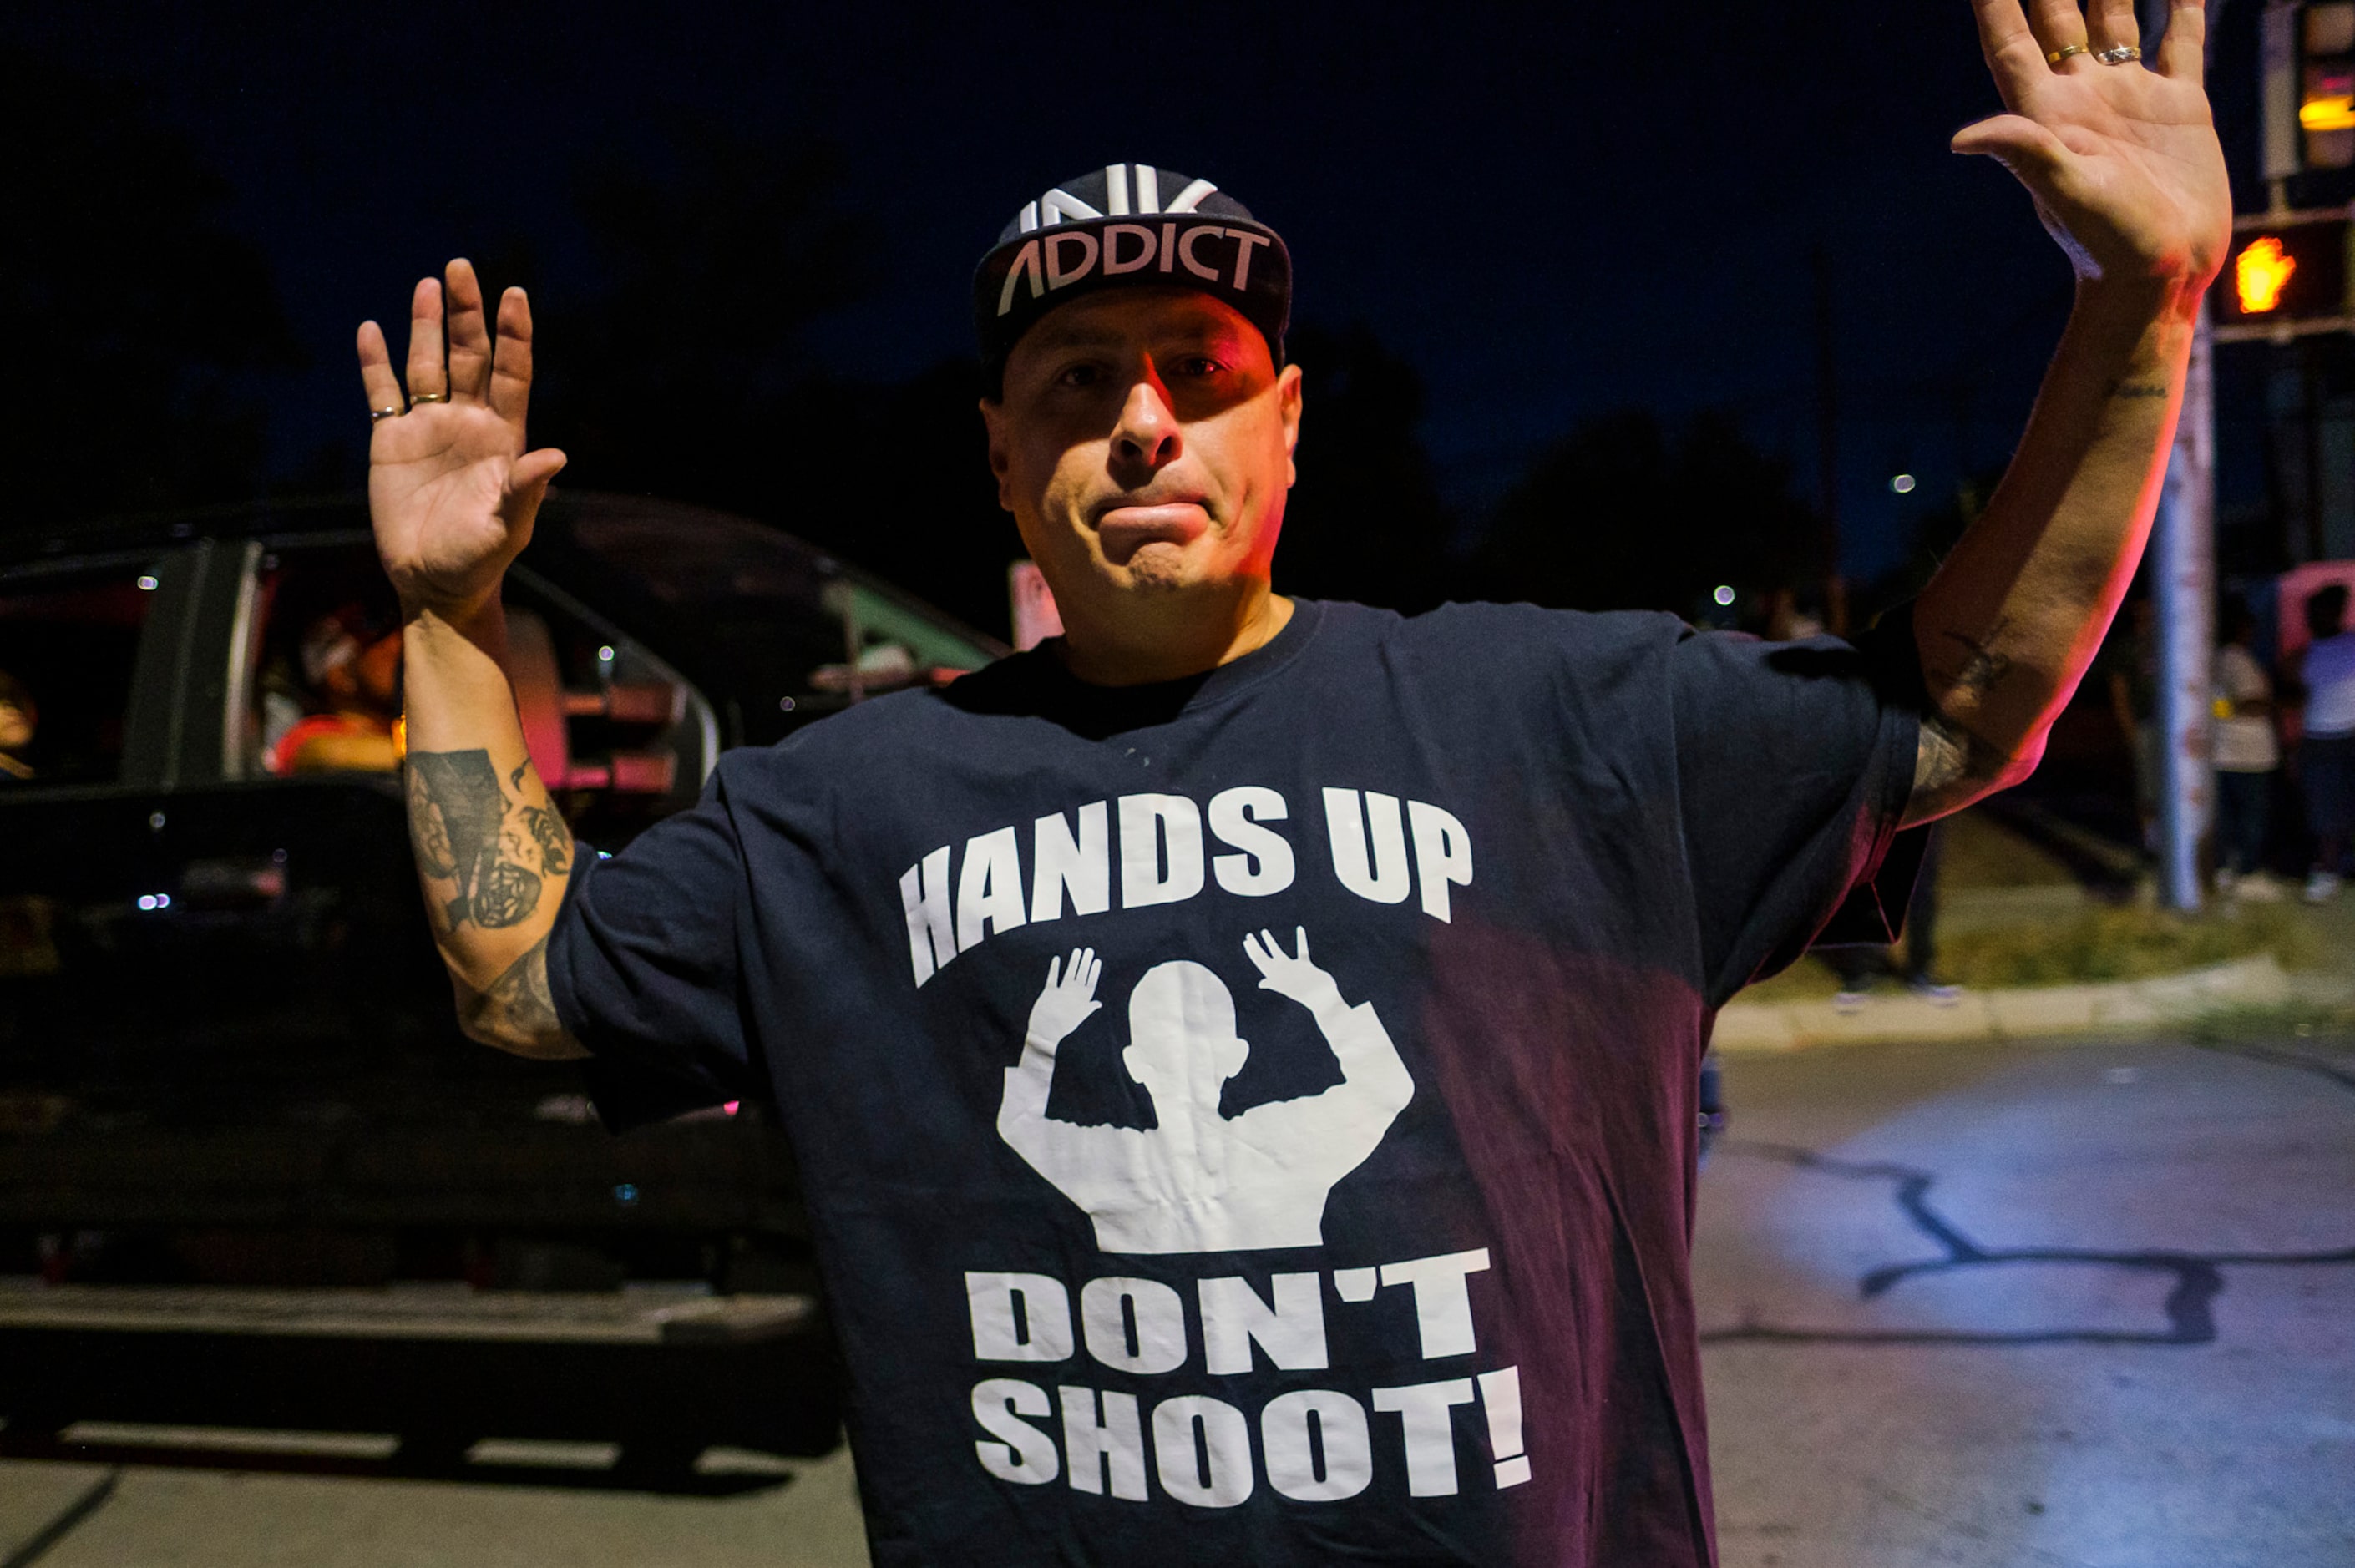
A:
[1127, 224]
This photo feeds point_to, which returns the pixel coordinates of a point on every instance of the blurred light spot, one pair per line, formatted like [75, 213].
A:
[543, 1453]
[785, 704]
[1724, 594]
[2260, 274]
[604, 854]
[1903, 483]
[605, 654]
[234, 1440]
[154, 901]
[626, 1193]
[155, 820]
[147, 583]
[730, 1106]
[573, 1110]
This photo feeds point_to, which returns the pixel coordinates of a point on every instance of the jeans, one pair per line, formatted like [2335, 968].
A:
[2243, 807]
[2328, 765]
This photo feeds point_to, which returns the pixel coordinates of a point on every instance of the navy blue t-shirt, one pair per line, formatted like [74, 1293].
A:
[1252, 1119]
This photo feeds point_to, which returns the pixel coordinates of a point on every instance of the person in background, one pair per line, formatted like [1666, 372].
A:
[2247, 753]
[1914, 960]
[19, 721]
[355, 676]
[2326, 755]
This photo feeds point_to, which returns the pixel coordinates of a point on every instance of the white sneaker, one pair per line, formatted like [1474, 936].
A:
[2322, 887]
[1937, 995]
[2258, 887]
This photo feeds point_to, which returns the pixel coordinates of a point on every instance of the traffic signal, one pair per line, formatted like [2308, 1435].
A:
[2290, 272]
[2326, 102]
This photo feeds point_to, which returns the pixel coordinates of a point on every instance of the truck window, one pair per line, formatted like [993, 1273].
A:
[620, 739]
[68, 640]
[324, 690]
[788, 632]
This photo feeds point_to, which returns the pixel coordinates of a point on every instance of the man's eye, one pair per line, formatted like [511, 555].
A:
[1198, 365]
[1081, 376]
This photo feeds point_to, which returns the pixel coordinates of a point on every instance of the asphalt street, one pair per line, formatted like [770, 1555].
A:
[2088, 1303]
[2082, 1304]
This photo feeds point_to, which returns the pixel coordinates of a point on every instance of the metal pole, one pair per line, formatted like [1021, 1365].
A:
[2183, 581]
[2183, 576]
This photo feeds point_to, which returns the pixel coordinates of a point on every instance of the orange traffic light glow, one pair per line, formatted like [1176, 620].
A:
[2259, 273]
[2329, 111]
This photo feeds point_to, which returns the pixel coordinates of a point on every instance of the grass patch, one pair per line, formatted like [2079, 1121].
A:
[2107, 943]
[2294, 1019]
[2124, 943]
[1980, 852]
[1809, 979]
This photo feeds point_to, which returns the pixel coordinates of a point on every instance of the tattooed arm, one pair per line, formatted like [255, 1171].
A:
[2127, 175]
[491, 848]
[453, 494]
[2015, 616]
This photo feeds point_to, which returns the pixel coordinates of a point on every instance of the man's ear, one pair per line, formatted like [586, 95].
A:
[992, 420]
[1287, 393]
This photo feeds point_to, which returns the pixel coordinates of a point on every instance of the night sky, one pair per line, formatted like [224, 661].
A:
[1549, 212]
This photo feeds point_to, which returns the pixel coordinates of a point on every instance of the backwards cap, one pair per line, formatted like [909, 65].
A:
[1127, 224]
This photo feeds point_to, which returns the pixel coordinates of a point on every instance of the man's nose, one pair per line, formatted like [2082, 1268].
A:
[1147, 434]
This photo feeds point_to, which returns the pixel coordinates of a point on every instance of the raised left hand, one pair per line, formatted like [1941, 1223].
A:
[2122, 160]
[1296, 978]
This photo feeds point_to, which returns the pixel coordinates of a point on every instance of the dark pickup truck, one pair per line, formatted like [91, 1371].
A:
[248, 1165]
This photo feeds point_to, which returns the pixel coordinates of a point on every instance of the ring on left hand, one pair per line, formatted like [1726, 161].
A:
[417, 397]
[378, 415]
[2124, 54]
[2064, 52]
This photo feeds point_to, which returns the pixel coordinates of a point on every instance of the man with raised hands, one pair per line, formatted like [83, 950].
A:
[1544, 847]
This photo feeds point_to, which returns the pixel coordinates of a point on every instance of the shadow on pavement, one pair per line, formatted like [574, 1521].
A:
[2196, 1279]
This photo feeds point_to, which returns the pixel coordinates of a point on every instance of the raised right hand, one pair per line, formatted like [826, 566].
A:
[452, 492]
[1068, 1001]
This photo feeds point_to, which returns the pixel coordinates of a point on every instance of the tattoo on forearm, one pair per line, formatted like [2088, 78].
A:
[457, 816]
[2141, 389]
[516, 1008]
[554, 839]
[1951, 751]
[1984, 667]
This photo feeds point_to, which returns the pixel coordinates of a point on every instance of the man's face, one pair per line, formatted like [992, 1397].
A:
[1145, 447]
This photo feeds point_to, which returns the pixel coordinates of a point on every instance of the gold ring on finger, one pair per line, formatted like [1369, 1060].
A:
[417, 397]
[2124, 54]
[378, 415]
[2064, 51]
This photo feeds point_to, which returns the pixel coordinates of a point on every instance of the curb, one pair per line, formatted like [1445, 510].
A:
[2108, 1007]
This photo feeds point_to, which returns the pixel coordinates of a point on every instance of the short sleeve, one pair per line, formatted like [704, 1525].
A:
[642, 969]
[2243, 679]
[1794, 765]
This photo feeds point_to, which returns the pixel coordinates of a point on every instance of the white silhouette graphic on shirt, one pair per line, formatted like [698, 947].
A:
[1200, 1182]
